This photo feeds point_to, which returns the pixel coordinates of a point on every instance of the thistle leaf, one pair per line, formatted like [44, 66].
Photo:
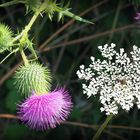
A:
[69, 14]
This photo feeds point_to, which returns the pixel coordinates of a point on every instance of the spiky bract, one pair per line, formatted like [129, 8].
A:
[5, 37]
[33, 77]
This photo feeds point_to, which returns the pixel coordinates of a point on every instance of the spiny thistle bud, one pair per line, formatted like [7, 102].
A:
[47, 110]
[5, 37]
[33, 77]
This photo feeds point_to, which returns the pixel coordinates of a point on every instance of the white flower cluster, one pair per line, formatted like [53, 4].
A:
[116, 79]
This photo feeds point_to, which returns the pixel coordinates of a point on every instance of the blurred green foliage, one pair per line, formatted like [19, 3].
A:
[65, 53]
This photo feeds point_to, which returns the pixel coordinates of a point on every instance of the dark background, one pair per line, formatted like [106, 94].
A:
[64, 53]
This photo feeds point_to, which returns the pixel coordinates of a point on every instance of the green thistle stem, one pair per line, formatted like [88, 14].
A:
[11, 3]
[24, 34]
[28, 27]
[103, 126]
[14, 51]
[24, 57]
[33, 19]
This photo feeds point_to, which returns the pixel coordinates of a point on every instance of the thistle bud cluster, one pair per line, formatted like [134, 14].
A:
[42, 109]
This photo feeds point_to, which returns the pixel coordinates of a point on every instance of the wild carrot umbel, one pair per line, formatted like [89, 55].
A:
[116, 79]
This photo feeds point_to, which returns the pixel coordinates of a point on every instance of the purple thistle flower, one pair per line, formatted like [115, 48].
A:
[47, 110]
[137, 17]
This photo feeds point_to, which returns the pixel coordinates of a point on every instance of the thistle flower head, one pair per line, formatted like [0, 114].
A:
[47, 110]
[116, 79]
[137, 17]
[33, 77]
[5, 37]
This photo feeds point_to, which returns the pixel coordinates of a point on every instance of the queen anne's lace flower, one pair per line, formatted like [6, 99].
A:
[116, 79]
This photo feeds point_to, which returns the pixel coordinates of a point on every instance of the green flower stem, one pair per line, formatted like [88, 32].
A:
[33, 19]
[103, 126]
[27, 27]
[11, 3]
[26, 62]
[14, 51]
[24, 34]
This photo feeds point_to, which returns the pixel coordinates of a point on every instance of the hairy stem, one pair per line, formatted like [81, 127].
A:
[103, 126]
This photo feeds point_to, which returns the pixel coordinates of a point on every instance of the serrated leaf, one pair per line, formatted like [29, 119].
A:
[69, 14]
